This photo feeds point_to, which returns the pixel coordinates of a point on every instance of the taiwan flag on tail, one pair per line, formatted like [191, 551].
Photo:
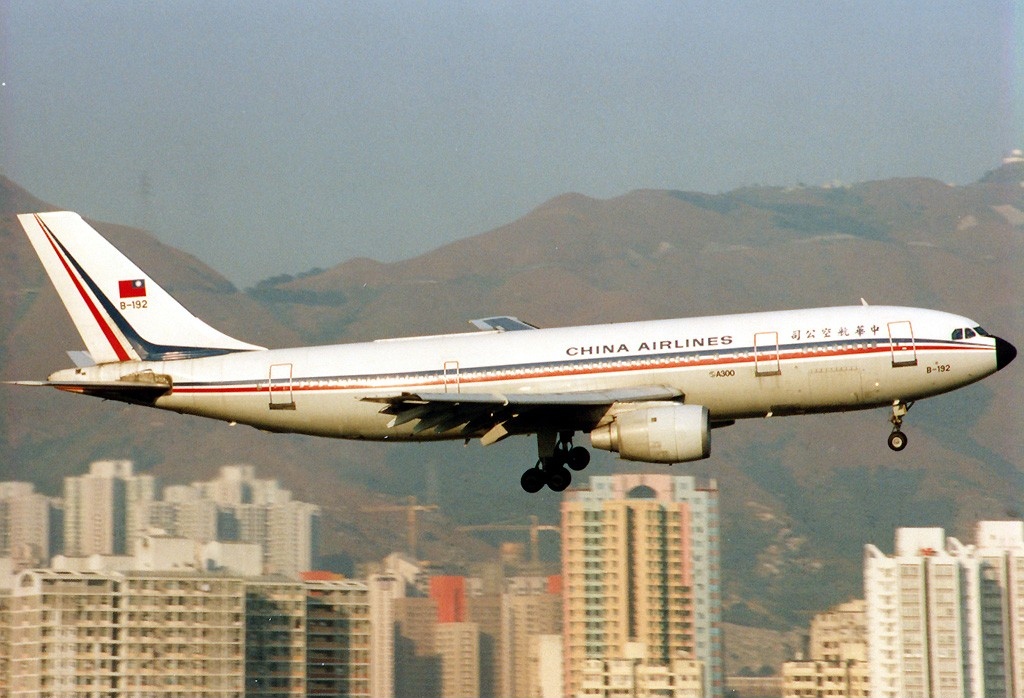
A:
[133, 288]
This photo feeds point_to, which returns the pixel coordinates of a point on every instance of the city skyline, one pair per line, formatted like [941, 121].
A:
[500, 630]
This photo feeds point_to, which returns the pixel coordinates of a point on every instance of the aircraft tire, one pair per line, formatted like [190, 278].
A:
[897, 440]
[578, 458]
[559, 478]
[533, 480]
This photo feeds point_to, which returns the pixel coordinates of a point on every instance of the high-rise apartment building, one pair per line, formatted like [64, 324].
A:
[945, 618]
[293, 538]
[458, 646]
[417, 665]
[339, 638]
[636, 677]
[5, 640]
[484, 610]
[238, 484]
[837, 665]
[116, 634]
[529, 612]
[275, 638]
[130, 634]
[109, 510]
[106, 510]
[184, 511]
[24, 524]
[640, 564]
[382, 591]
[251, 510]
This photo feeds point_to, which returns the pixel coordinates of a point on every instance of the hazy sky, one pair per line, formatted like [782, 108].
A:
[272, 137]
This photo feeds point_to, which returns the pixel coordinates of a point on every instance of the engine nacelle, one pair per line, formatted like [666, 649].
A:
[656, 432]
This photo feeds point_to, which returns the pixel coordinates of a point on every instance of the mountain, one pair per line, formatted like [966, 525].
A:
[800, 496]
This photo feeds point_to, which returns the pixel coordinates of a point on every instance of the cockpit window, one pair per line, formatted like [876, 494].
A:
[968, 333]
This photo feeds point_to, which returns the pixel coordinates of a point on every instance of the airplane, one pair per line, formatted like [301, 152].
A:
[650, 391]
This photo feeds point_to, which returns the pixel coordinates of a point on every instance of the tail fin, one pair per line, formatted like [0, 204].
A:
[121, 313]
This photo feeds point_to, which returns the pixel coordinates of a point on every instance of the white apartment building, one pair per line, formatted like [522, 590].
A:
[945, 618]
[110, 510]
[106, 510]
[118, 634]
[24, 524]
[238, 484]
[837, 665]
[382, 590]
[72, 634]
[292, 538]
[636, 676]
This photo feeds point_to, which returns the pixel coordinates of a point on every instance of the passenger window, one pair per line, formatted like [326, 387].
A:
[958, 334]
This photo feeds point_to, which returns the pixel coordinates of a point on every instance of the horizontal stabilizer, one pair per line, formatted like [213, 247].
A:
[81, 359]
[139, 388]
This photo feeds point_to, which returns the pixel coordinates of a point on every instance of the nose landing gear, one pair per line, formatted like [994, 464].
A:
[897, 439]
[556, 456]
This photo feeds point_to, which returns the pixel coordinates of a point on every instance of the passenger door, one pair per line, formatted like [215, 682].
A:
[766, 354]
[901, 342]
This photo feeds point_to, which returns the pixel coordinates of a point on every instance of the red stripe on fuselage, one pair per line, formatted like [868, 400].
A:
[107, 330]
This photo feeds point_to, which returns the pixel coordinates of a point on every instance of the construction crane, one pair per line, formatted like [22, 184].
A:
[412, 510]
[533, 527]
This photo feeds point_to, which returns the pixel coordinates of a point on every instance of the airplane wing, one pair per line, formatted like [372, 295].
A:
[493, 416]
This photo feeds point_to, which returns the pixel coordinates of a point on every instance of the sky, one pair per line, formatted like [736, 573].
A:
[269, 138]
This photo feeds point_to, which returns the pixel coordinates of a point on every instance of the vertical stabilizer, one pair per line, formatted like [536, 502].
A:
[121, 313]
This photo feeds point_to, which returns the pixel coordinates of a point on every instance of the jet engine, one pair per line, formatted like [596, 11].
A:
[656, 432]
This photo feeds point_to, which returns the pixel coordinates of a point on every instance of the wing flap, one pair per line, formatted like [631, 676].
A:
[586, 398]
[493, 416]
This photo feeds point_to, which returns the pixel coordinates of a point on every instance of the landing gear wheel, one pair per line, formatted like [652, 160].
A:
[559, 478]
[556, 456]
[533, 480]
[897, 440]
[578, 458]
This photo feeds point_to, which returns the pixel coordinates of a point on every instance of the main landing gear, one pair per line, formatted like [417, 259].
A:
[556, 456]
[897, 439]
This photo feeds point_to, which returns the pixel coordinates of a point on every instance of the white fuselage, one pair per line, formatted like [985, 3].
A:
[738, 366]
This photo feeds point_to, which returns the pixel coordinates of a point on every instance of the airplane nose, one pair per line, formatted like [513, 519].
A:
[1005, 353]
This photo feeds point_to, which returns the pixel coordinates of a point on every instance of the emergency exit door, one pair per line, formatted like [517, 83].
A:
[280, 387]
